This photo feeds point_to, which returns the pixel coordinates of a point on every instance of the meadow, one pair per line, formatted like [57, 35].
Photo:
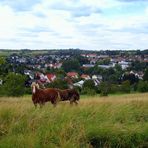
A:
[113, 121]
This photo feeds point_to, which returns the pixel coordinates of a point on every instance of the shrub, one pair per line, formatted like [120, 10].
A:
[71, 65]
[125, 87]
[14, 85]
[58, 83]
[78, 88]
[28, 90]
[1, 91]
[104, 88]
[143, 86]
[114, 88]
[89, 84]
[89, 88]
[145, 77]
[88, 91]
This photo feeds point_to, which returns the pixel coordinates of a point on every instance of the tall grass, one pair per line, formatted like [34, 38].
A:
[115, 121]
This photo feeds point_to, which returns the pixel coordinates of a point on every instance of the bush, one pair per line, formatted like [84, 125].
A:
[71, 65]
[89, 84]
[1, 91]
[125, 87]
[88, 91]
[114, 88]
[78, 88]
[14, 85]
[104, 88]
[59, 83]
[89, 88]
[143, 86]
[28, 90]
[145, 77]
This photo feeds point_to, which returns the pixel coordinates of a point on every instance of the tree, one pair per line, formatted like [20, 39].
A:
[58, 83]
[14, 85]
[109, 75]
[82, 60]
[60, 73]
[143, 86]
[103, 62]
[138, 66]
[2, 60]
[104, 88]
[89, 84]
[145, 77]
[71, 65]
[131, 77]
[89, 87]
[118, 68]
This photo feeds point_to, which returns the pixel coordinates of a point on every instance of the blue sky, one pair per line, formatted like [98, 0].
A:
[84, 24]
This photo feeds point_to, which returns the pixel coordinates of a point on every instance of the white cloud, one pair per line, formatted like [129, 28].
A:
[72, 24]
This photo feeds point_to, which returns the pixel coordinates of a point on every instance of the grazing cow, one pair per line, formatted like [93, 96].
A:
[69, 94]
[41, 96]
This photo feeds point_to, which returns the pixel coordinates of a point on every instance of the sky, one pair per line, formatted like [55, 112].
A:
[83, 24]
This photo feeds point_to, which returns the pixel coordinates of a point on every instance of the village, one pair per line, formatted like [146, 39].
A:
[44, 67]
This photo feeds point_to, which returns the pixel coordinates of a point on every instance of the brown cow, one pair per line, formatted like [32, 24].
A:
[41, 96]
[69, 94]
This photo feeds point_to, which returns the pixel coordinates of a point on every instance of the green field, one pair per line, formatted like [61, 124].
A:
[8, 52]
[114, 121]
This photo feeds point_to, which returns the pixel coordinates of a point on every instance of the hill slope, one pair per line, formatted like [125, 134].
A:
[116, 121]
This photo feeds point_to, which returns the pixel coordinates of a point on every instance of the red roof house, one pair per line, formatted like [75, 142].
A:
[51, 77]
[85, 76]
[72, 74]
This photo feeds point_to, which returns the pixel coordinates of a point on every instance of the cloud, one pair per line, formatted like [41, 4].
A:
[129, 1]
[20, 5]
[37, 29]
[82, 24]
[75, 9]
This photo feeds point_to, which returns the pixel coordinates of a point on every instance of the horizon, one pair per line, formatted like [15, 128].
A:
[80, 24]
[130, 50]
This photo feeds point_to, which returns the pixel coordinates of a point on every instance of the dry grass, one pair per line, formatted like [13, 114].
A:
[114, 121]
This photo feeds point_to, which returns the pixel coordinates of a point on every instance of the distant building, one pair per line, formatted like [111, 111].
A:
[50, 77]
[88, 65]
[106, 66]
[72, 74]
[80, 83]
[124, 64]
[85, 76]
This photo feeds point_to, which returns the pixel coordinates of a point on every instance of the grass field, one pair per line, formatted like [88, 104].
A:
[114, 121]
[9, 52]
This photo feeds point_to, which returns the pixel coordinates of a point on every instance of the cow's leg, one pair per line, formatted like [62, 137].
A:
[71, 101]
[76, 103]
[35, 104]
[42, 104]
[54, 103]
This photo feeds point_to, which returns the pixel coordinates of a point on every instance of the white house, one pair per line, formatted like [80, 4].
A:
[80, 83]
[124, 64]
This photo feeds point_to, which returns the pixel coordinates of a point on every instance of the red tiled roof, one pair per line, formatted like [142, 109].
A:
[84, 76]
[51, 76]
[72, 74]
